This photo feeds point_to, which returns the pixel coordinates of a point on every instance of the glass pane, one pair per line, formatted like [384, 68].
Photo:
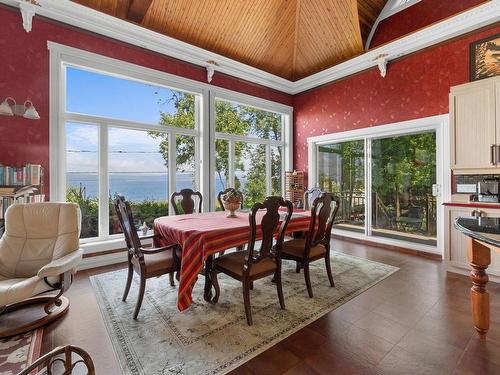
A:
[341, 171]
[221, 169]
[107, 96]
[250, 171]
[82, 177]
[276, 170]
[186, 167]
[403, 172]
[137, 162]
[232, 118]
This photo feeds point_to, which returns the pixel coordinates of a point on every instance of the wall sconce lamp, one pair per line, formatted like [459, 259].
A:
[27, 110]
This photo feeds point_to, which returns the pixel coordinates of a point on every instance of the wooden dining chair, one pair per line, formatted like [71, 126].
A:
[316, 244]
[187, 202]
[310, 195]
[147, 262]
[250, 265]
[221, 193]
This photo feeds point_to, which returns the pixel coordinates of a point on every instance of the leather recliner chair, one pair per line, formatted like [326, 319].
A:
[39, 253]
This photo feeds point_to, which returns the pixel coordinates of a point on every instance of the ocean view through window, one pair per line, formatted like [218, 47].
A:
[108, 158]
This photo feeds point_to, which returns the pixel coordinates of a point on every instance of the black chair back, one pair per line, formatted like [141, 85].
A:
[269, 223]
[187, 202]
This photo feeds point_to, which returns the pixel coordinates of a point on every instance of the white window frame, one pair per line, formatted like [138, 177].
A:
[62, 56]
[241, 99]
[439, 124]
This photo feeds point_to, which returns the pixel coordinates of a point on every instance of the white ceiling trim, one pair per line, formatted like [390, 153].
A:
[88, 19]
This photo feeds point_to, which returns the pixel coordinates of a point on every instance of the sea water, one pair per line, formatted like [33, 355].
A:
[136, 186]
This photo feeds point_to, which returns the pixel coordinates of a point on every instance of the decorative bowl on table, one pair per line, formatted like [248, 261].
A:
[232, 201]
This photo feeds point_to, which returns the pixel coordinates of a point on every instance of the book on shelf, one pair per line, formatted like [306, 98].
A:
[29, 174]
[16, 190]
[28, 197]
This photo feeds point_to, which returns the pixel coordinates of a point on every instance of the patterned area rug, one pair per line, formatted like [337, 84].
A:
[214, 339]
[17, 352]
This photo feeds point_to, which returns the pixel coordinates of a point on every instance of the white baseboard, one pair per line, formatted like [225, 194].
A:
[492, 276]
[102, 260]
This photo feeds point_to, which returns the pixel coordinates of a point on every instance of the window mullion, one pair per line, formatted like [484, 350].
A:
[172, 168]
[368, 186]
[268, 171]
[103, 175]
[232, 160]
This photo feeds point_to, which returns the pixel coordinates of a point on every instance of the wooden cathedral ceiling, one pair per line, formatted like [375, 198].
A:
[289, 38]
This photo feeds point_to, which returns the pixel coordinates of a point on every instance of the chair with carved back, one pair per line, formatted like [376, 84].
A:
[64, 360]
[186, 201]
[310, 195]
[316, 244]
[252, 264]
[147, 262]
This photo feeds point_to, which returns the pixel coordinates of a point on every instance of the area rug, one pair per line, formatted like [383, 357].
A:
[214, 338]
[18, 352]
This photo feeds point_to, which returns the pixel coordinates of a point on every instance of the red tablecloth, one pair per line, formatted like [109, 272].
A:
[201, 235]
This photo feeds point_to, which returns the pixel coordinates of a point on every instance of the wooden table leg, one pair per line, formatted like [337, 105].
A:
[207, 294]
[479, 257]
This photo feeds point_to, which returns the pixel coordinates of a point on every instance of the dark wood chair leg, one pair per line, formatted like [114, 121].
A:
[215, 283]
[142, 288]
[308, 279]
[129, 281]
[297, 267]
[279, 287]
[329, 271]
[246, 300]
[251, 285]
[171, 277]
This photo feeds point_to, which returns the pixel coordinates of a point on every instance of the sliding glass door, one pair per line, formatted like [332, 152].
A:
[403, 171]
[341, 170]
[385, 184]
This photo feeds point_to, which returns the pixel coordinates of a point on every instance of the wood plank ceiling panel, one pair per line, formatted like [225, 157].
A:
[105, 6]
[368, 11]
[327, 33]
[289, 38]
[259, 32]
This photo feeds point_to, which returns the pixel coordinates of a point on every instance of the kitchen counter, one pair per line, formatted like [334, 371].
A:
[482, 229]
[473, 204]
[483, 238]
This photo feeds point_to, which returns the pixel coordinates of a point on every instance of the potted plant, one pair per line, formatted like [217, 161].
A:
[232, 201]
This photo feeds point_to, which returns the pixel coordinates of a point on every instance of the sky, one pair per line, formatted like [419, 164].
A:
[96, 94]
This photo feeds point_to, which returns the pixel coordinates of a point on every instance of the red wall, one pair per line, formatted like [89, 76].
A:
[24, 73]
[418, 16]
[415, 86]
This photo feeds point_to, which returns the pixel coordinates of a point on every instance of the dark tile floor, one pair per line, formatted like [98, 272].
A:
[417, 321]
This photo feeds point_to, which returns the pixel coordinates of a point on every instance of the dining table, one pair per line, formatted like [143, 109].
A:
[202, 235]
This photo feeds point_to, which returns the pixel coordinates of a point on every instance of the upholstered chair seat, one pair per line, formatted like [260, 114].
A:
[39, 252]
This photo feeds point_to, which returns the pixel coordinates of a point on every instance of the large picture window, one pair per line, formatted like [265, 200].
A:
[122, 128]
[124, 137]
[249, 151]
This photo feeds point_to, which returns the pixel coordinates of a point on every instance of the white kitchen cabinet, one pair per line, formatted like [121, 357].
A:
[475, 127]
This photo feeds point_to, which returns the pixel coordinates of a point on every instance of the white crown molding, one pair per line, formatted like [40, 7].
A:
[88, 19]
[462, 23]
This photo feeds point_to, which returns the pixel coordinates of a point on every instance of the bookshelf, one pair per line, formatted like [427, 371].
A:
[19, 185]
[294, 187]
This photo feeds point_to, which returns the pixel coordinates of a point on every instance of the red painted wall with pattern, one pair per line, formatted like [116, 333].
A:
[417, 16]
[24, 73]
[415, 86]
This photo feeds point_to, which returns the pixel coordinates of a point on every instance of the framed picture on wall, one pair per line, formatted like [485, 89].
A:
[485, 58]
